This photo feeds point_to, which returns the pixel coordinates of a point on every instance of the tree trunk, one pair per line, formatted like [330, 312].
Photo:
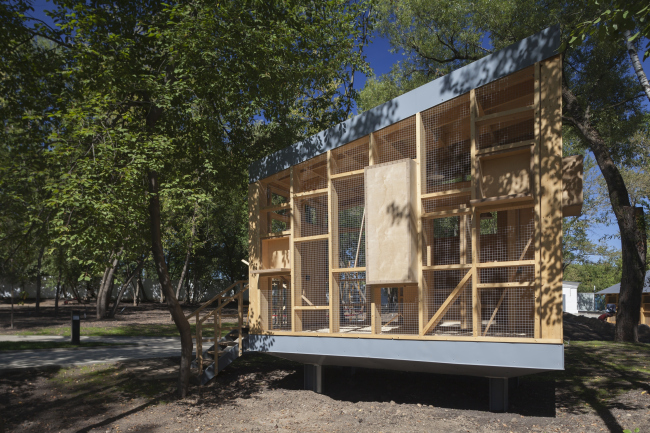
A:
[136, 290]
[12, 305]
[39, 280]
[106, 285]
[56, 295]
[187, 256]
[633, 246]
[165, 284]
[124, 286]
[636, 64]
[143, 294]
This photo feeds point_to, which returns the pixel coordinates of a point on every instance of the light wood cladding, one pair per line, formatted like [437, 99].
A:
[276, 253]
[391, 234]
[506, 175]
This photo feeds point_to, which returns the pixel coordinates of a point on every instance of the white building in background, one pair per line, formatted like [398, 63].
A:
[570, 296]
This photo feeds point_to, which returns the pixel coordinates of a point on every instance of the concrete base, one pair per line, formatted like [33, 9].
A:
[499, 394]
[314, 378]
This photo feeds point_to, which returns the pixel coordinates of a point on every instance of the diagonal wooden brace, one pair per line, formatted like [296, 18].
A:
[445, 306]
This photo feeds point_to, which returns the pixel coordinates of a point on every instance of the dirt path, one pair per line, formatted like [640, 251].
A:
[260, 393]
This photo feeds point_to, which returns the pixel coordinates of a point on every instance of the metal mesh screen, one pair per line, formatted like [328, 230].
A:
[278, 221]
[458, 318]
[312, 270]
[507, 235]
[399, 310]
[311, 175]
[514, 91]
[352, 156]
[351, 239]
[513, 274]
[354, 303]
[313, 216]
[396, 142]
[280, 304]
[442, 242]
[315, 321]
[508, 312]
[506, 131]
[447, 152]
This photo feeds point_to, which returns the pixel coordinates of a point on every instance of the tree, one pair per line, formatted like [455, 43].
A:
[167, 105]
[600, 95]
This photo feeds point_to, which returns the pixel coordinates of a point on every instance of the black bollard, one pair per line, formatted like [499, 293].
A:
[75, 327]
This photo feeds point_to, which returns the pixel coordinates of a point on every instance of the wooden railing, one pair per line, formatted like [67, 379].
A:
[222, 299]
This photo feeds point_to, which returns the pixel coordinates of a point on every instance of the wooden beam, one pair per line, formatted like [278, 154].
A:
[515, 113]
[347, 175]
[276, 207]
[504, 199]
[446, 213]
[551, 199]
[341, 270]
[495, 149]
[447, 267]
[420, 143]
[333, 247]
[296, 259]
[509, 264]
[445, 306]
[312, 238]
[537, 191]
[448, 193]
[311, 307]
[505, 285]
[314, 193]
[476, 218]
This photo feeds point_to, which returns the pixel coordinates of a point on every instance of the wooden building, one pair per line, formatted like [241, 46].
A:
[424, 234]
[611, 297]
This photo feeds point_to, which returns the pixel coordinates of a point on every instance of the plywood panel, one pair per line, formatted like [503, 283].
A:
[391, 236]
[276, 253]
[572, 174]
[505, 175]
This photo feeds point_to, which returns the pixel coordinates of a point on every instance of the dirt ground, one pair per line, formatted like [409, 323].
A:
[144, 317]
[605, 387]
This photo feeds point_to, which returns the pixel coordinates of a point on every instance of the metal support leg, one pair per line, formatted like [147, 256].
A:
[314, 378]
[498, 394]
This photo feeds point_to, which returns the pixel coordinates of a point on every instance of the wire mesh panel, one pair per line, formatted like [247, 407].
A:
[513, 91]
[315, 321]
[513, 274]
[447, 154]
[312, 270]
[312, 214]
[399, 310]
[278, 221]
[443, 240]
[350, 200]
[311, 175]
[352, 156]
[280, 304]
[396, 142]
[508, 312]
[507, 235]
[441, 286]
[506, 131]
[354, 303]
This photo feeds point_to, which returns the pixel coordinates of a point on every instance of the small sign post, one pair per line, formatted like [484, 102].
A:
[75, 327]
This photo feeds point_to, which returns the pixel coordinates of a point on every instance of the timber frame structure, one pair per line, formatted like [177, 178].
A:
[425, 234]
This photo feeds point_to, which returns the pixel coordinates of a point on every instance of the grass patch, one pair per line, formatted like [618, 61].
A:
[135, 330]
[106, 380]
[34, 345]
[598, 371]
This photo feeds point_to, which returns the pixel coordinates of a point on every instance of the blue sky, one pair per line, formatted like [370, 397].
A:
[381, 60]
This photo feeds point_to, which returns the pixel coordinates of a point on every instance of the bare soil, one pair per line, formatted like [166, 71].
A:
[143, 317]
[605, 387]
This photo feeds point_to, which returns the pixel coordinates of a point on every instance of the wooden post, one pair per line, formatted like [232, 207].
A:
[254, 257]
[476, 219]
[199, 344]
[512, 236]
[537, 191]
[463, 260]
[551, 197]
[240, 316]
[296, 283]
[420, 142]
[375, 308]
[333, 246]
